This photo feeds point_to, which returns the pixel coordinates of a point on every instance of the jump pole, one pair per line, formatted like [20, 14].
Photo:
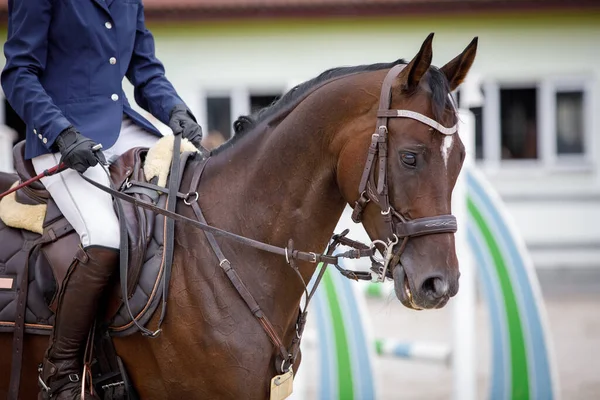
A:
[464, 303]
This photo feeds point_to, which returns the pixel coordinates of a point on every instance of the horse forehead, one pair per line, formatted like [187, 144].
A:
[420, 101]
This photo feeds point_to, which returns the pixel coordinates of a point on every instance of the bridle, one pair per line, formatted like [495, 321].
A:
[378, 193]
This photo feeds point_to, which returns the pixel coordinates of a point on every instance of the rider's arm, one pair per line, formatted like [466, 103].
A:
[26, 51]
[153, 91]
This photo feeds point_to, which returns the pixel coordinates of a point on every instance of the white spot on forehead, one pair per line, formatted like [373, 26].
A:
[446, 148]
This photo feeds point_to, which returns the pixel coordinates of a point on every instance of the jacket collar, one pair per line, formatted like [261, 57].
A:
[104, 4]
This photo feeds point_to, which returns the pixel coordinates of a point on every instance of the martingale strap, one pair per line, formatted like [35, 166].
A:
[231, 273]
[287, 355]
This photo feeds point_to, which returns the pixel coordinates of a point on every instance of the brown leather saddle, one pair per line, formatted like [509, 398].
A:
[33, 265]
[49, 255]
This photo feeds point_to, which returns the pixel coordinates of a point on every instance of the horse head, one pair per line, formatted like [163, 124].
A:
[402, 191]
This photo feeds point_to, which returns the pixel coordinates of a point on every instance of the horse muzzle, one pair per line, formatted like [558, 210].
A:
[431, 292]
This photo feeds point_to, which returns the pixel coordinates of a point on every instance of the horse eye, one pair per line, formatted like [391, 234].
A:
[408, 159]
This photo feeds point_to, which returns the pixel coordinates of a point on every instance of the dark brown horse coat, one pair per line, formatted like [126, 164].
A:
[288, 177]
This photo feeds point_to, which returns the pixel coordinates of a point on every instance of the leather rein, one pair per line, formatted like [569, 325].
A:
[369, 192]
[286, 356]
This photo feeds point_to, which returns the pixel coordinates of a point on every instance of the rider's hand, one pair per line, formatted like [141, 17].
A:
[181, 120]
[77, 151]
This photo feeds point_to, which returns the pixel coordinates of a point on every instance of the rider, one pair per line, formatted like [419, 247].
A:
[65, 63]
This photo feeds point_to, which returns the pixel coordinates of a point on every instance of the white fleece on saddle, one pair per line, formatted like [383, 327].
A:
[22, 216]
[158, 160]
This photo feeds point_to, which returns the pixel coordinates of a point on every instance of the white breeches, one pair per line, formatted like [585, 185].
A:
[88, 209]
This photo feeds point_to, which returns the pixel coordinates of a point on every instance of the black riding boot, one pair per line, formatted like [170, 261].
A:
[61, 371]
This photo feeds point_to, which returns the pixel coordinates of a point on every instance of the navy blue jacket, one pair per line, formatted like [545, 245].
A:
[65, 63]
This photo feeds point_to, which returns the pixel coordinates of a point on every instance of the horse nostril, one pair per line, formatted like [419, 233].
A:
[435, 287]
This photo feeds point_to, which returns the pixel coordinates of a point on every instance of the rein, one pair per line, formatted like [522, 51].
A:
[282, 251]
[288, 357]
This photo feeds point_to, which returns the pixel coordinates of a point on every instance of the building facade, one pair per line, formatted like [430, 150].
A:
[537, 70]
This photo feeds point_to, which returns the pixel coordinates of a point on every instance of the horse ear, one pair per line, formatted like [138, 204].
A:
[457, 69]
[416, 68]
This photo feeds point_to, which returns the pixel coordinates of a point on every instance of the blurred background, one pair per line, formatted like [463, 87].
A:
[533, 96]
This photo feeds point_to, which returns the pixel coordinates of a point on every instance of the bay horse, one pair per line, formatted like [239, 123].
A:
[289, 172]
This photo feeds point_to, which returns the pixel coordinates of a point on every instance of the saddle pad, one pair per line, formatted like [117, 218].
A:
[14, 254]
[15, 249]
[158, 161]
[22, 216]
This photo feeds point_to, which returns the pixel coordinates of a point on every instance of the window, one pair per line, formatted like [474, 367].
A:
[543, 123]
[476, 107]
[223, 106]
[218, 110]
[473, 101]
[479, 138]
[518, 123]
[569, 122]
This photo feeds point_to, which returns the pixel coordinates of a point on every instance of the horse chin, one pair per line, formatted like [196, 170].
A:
[402, 288]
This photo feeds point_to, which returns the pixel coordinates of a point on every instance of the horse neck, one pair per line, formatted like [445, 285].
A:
[279, 185]
[276, 184]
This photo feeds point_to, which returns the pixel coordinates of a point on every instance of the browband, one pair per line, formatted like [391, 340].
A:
[419, 117]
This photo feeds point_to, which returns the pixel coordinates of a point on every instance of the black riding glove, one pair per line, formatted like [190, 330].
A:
[76, 150]
[181, 120]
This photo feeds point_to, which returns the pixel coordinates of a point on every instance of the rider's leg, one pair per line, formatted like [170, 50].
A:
[90, 212]
[88, 209]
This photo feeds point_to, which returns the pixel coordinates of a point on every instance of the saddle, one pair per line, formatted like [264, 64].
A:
[39, 245]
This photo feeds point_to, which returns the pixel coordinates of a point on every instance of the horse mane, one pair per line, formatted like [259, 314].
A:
[435, 78]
